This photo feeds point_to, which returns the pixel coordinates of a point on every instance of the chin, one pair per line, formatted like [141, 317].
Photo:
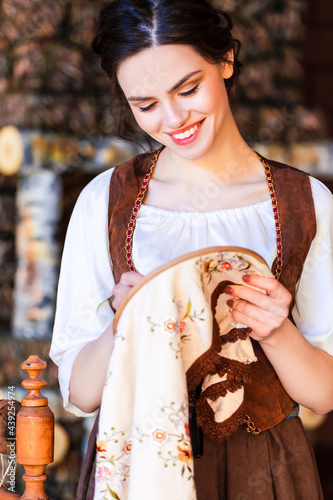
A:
[191, 152]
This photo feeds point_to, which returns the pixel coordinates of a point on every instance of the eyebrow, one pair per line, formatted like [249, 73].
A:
[175, 87]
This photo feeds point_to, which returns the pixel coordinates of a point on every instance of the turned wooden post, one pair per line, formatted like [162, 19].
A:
[34, 432]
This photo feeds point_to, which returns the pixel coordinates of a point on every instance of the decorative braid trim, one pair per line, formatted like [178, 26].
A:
[234, 335]
[219, 389]
[204, 366]
[208, 362]
[234, 369]
[211, 362]
[218, 431]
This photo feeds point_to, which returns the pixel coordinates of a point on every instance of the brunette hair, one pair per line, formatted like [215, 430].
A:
[126, 27]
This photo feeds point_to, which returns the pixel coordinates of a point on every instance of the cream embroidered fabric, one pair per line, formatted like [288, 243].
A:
[174, 330]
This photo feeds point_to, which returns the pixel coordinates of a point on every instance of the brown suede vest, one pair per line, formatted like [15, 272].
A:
[267, 403]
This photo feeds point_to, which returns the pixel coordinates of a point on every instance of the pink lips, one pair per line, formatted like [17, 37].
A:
[187, 140]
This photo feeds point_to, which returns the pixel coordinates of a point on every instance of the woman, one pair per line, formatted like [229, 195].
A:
[173, 65]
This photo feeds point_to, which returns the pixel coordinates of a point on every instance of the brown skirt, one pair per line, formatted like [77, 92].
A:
[277, 464]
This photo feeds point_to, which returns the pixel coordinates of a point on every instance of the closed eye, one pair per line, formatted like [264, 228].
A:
[148, 108]
[190, 92]
[183, 94]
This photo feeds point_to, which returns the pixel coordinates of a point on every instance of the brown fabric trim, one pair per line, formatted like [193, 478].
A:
[235, 369]
[213, 363]
[214, 391]
[208, 361]
[234, 335]
[218, 431]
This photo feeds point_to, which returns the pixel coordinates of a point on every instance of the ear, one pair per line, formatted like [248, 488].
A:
[227, 67]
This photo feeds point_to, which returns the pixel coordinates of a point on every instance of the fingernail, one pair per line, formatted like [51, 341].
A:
[228, 290]
[246, 278]
[230, 303]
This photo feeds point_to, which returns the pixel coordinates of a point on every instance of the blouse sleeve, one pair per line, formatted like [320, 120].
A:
[313, 307]
[85, 283]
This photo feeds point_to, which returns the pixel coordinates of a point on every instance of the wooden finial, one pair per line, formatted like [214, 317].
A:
[35, 432]
[34, 365]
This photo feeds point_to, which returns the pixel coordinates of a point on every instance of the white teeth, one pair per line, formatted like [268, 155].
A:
[186, 134]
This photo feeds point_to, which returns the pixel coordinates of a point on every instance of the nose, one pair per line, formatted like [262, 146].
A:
[175, 116]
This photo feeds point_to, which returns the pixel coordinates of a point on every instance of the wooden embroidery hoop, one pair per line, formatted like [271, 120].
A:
[178, 260]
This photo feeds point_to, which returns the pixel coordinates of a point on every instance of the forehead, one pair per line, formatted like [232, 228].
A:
[158, 68]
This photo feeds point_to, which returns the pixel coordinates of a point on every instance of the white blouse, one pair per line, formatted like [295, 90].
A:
[86, 280]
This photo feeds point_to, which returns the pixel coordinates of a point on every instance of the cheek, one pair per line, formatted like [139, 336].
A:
[215, 97]
[149, 122]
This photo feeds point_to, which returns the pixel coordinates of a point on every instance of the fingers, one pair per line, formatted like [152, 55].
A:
[131, 278]
[246, 310]
[263, 309]
[127, 281]
[259, 298]
[243, 319]
[269, 285]
[268, 289]
[262, 322]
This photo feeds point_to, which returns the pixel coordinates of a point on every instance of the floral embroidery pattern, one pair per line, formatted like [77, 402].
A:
[182, 326]
[173, 448]
[102, 448]
[170, 326]
[128, 447]
[118, 336]
[185, 453]
[221, 264]
[111, 469]
[161, 436]
[178, 450]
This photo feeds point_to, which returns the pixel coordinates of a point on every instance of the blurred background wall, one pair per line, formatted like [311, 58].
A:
[55, 137]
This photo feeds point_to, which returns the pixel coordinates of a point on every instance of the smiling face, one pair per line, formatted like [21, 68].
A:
[178, 98]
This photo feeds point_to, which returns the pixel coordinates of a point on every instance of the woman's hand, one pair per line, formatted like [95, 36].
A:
[305, 371]
[264, 312]
[127, 281]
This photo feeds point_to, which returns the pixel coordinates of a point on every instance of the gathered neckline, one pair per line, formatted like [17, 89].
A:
[208, 213]
[233, 212]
